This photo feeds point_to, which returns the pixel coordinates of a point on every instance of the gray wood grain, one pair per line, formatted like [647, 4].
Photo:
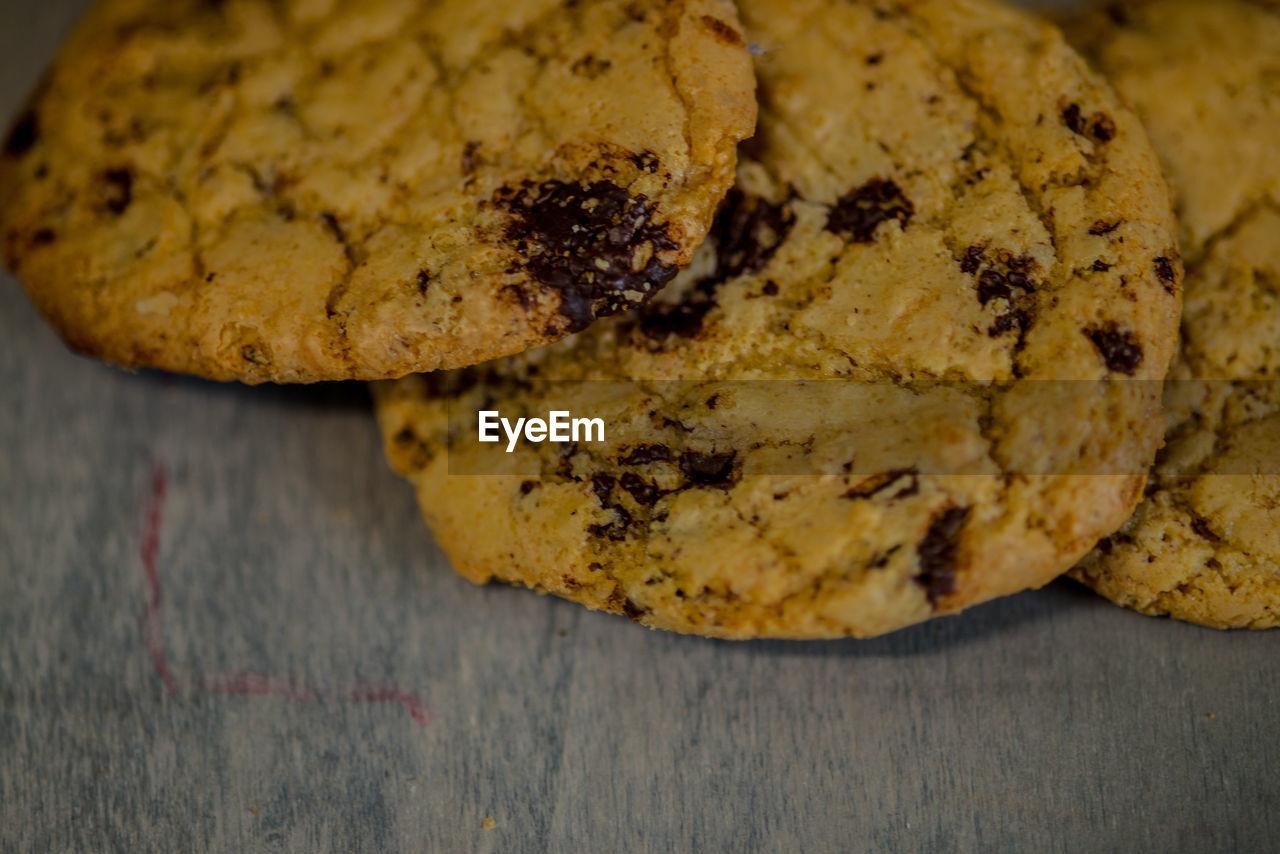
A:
[333, 686]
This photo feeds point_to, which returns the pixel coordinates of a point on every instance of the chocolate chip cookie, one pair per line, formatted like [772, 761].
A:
[300, 191]
[1205, 544]
[916, 366]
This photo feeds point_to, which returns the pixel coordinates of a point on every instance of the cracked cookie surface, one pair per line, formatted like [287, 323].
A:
[1205, 544]
[316, 189]
[915, 367]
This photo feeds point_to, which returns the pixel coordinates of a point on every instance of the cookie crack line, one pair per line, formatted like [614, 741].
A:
[675, 13]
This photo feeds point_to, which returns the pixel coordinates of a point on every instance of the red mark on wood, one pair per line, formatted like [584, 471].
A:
[242, 683]
[247, 684]
[364, 692]
[152, 630]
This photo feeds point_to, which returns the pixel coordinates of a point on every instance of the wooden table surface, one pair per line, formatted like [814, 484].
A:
[224, 628]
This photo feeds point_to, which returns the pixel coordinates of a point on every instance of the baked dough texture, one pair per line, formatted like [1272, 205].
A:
[330, 189]
[1205, 544]
[917, 365]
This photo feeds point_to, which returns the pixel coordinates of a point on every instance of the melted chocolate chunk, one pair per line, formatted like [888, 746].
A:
[585, 241]
[683, 320]
[118, 190]
[645, 493]
[746, 234]
[972, 260]
[937, 554]
[644, 454]
[23, 135]
[708, 469]
[1119, 348]
[858, 213]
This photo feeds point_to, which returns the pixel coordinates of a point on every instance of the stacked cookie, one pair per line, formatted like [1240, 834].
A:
[1204, 545]
[899, 353]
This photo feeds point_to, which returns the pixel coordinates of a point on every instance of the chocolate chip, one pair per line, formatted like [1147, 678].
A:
[723, 33]
[644, 492]
[615, 530]
[470, 158]
[972, 260]
[646, 161]
[878, 483]
[1105, 545]
[602, 486]
[1200, 525]
[858, 213]
[644, 454]
[42, 237]
[992, 285]
[1120, 348]
[1102, 128]
[708, 469]
[23, 135]
[1101, 227]
[118, 190]
[583, 240]
[1118, 14]
[1073, 118]
[1099, 127]
[746, 233]
[770, 288]
[937, 554]
[590, 67]
[424, 282]
[1165, 271]
[683, 320]
[528, 486]
[633, 611]
[1017, 319]
[1101, 266]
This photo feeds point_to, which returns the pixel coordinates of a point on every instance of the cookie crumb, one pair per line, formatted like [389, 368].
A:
[488, 823]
